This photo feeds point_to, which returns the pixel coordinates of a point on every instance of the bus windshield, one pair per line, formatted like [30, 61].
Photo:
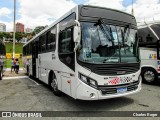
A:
[102, 43]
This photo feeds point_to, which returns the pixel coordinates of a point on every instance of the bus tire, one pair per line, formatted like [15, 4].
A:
[54, 84]
[1, 75]
[149, 76]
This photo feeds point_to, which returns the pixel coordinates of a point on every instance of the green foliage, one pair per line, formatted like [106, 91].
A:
[19, 36]
[6, 35]
[39, 29]
[18, 47]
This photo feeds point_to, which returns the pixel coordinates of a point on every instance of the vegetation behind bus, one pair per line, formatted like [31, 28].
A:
[9, 49]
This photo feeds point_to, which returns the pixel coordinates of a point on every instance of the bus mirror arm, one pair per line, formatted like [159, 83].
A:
[77, 46]
[77, 31]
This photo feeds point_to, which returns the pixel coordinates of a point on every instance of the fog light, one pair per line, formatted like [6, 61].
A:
[92, 95]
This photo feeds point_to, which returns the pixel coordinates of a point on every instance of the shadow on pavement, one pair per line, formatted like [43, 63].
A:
[66, 103]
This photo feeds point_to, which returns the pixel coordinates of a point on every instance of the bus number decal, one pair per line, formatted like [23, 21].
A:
[120, 80]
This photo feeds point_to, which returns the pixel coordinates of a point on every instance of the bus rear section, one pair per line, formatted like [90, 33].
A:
[149, 50]
[90, 53]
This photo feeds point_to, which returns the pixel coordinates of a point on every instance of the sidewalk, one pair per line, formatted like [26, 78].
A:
[9, 69]
[8, 73]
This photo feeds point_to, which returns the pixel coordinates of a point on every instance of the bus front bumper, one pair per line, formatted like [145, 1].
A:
[85, 92]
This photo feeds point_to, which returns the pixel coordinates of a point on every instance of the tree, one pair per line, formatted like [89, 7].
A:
[5, 34]
[39, 29]
[19, 36]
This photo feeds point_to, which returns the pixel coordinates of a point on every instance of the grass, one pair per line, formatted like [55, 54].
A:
[8, 63]
[18, 47]
[9, 49]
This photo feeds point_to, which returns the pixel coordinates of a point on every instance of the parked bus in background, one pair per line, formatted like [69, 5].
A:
[149, 34]
[90, 53]
[2, 58]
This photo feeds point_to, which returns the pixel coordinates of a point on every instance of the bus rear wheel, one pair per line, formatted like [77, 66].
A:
[149, 76]
[54, 85]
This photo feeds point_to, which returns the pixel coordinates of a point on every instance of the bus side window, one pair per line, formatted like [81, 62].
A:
[39, 43]
[66, 44]
[140, 39]
[149, 38]
[42, 43]
[51, 39]
[26, 49]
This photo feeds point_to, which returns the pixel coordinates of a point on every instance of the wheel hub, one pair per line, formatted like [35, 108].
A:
[149, 76]
[54, 84]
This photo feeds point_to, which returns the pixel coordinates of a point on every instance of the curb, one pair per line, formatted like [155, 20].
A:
[17, 77]
[9, 69]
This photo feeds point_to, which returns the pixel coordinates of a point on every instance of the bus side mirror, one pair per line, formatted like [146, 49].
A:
[76, 34]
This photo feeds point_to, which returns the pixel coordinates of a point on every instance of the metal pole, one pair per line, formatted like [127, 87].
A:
[132, 8]
[14, 28]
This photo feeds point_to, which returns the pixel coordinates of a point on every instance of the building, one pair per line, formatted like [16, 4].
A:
[19, 27]
[28, 30]
[2, 27]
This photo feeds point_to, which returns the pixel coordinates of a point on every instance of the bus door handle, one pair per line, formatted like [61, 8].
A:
[53, 56]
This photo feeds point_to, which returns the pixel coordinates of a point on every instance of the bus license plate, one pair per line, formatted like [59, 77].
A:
[121, 90]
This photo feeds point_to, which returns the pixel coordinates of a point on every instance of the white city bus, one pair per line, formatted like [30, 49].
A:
[90, 53]
[149, 35]
[2, 59]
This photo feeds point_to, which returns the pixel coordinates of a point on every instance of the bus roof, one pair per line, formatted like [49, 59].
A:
[75, 9]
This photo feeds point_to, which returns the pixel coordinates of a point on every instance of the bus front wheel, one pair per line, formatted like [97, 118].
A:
[54, 85]
[149, 75]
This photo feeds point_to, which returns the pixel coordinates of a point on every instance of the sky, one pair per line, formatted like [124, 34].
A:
[34, 13]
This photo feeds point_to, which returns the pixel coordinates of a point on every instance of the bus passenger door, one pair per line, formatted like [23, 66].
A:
[34, 57]
[66, 56]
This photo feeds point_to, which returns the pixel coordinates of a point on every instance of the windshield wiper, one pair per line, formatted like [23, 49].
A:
[104, 28]
[125, 30]
[126, 36]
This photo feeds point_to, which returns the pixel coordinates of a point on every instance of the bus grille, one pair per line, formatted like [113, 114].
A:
[117, 69]
[113, 89]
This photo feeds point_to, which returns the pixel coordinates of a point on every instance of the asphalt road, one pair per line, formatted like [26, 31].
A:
[24, 94]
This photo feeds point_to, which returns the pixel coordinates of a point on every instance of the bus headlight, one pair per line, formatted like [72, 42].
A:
[83, 78]
[88, 81]
[92, 82]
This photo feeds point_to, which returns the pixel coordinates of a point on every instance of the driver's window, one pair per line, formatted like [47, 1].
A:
[66, 44]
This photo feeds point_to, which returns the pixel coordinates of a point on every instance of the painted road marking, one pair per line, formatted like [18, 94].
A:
[34, 81]
[20, 77]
